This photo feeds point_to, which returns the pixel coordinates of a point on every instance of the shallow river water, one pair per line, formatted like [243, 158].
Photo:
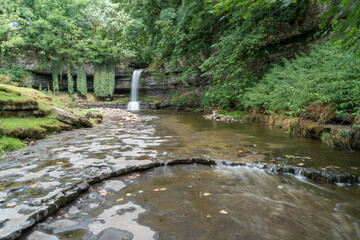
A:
[183, 201]
[193, 136]
[201, 202]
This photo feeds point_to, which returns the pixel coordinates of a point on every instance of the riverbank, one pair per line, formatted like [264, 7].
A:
[343, 136]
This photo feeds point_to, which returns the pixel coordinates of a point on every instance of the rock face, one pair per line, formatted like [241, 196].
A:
[71, 119]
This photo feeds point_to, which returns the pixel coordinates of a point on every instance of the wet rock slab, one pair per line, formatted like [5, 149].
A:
[36, 181]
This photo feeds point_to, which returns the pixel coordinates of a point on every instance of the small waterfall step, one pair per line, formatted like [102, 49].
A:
[134, 105]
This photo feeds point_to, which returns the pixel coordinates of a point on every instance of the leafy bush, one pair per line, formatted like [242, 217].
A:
[15, 73]
[323, 76]
[228, 94]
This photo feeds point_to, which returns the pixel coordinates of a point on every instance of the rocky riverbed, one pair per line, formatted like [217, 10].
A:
[37, 180]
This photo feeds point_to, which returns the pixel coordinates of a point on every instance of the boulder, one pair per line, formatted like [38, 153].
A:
[71, 118]
[94, 115]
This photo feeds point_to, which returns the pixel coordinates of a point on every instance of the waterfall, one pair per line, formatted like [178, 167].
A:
[134, 104]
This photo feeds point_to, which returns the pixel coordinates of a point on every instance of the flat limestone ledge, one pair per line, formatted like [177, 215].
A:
[13, 227]
[18, 105]
[24, 113]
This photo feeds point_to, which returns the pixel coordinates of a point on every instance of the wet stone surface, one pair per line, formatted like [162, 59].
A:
[203, 202]
[33, 181]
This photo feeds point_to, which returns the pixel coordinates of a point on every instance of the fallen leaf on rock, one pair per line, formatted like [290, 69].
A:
[208, 216]
[308, 158]
[119, 200]
[156, 190]
[67, 216]
[51, 218]
[162, 189]
[272, 160]
[206, 194]
[300, 164]
[140, 191]
[138, 175]
[103, 192]
[190, 186]
[224, 212]
[11, 204]
[35, 185]
[1, 230]
[128, 194]
[324, 169]
[90, 188]
[280, 187]
[58, 217]
[240, 151]
[355, 168]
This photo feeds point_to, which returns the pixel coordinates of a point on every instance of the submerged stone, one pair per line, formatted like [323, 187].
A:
[41, 236]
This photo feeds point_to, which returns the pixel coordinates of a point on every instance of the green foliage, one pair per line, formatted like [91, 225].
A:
[10, 144]
[16, 73]
[104, 79]
[81, 30]
[344, 19]
[56, 72]
[228, 94]
[323, 76]
[81, 81]
[243, 41]
[70, 81]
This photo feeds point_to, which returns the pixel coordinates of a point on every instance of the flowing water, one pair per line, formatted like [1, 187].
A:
[134, 105]
[186, 201]
[200, 202]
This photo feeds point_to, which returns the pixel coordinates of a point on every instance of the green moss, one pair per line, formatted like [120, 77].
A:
[33, 128]
[235, 114]
[10, 144]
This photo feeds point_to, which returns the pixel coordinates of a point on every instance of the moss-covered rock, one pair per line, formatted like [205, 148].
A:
[70, 118]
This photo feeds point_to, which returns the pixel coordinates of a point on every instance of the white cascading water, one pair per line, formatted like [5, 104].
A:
[134, 105]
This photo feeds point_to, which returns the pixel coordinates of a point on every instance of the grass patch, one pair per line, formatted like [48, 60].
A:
[33, 128]
[234, 114]
[10, 144]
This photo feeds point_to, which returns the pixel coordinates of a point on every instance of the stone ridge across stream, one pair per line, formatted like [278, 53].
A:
[35, 182]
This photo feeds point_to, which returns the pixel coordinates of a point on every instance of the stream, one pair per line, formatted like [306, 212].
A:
[125, 197]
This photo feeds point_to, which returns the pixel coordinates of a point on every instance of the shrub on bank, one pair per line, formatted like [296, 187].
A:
[324, 76]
